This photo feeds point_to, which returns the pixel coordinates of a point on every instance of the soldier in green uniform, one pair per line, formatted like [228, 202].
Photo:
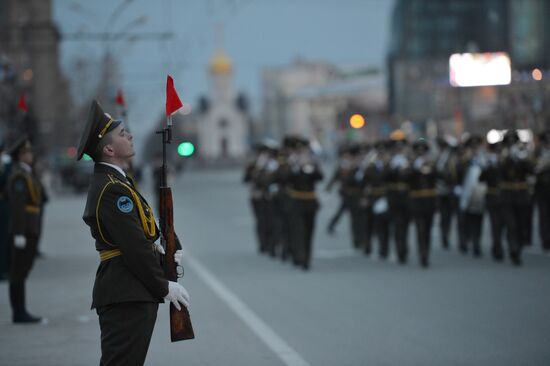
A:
[346, 164]
[5, 248]
[423, 198]
[304, 173]
[129, 282]
[542, 188]
[491, 176]
[25, 202]
[398, 197]
[515, 169]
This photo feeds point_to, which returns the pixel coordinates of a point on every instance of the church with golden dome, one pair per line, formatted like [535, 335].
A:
[223, 126]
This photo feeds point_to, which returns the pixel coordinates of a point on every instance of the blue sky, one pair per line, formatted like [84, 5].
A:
[256, 33]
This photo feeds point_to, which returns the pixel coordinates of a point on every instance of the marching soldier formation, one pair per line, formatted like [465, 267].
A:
[392, 184]
[284, 200]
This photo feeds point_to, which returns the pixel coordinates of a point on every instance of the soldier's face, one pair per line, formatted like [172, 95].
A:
[122, 144]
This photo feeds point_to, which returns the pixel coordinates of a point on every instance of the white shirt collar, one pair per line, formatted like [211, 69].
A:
[26, 167]
[116, 167]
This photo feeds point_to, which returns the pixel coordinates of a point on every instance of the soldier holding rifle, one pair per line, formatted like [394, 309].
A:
[130, 282]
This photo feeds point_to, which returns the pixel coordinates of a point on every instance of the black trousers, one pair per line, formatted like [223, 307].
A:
[302, 228]
[400, 223]
[338, 214]
[514, 219]
[544, 217]
[368, 229]
[382, 228]
[423, 221]
[473, 228]
[447, 208]
[357, 214]
[22, 260]
[496, 219]
[126, 331]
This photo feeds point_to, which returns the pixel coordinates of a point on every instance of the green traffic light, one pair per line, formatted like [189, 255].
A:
[86, 157]
[186, 149]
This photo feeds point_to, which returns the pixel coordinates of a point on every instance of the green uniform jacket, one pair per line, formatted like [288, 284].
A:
[113, 215]
[25, 197]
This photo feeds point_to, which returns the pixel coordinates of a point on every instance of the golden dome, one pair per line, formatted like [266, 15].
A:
[220, 63]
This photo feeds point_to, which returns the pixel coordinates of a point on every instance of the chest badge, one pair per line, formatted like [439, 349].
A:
[125, 204]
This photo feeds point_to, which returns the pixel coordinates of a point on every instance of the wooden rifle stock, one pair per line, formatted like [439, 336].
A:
[180, 320]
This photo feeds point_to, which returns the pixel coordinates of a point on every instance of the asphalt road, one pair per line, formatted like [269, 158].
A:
[249, 309]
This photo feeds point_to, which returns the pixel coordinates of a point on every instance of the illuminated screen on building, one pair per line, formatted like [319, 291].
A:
[480, 69]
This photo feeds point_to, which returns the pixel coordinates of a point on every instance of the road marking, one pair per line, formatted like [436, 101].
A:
[286, 353]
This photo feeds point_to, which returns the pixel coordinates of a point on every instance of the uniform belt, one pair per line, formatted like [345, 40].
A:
[419, 193]
[108, 254]
[302, 195]
[349, 190]
[398, 187]
[492, 190]
[378, 191]
[32, 209]
[513, 185]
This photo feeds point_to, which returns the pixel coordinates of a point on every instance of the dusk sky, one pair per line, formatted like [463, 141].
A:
[255, 34]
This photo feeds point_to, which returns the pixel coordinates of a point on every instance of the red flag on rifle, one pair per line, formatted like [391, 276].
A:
[22, 104]
[119, 100]
[173, 102]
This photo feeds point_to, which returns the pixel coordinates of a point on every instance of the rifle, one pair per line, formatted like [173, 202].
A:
[180, 320]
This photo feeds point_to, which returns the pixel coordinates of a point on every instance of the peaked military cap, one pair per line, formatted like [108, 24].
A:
[421, 145]
[21, 141]
[97, 126]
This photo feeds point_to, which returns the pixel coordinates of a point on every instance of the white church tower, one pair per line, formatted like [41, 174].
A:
[222, 130]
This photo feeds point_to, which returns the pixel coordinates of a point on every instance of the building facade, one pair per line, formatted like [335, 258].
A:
[29, 41]
[425, 33]
[223, 127]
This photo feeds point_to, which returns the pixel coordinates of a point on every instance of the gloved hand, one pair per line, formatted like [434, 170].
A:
[177, 294]
[158, 248]
[19, 241]
[178, 256]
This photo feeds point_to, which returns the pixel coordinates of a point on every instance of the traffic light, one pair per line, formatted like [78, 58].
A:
[357, 121]
[186, 149]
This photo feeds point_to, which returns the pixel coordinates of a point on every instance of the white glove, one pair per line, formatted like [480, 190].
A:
[178, 256]
[177, 294]
[158, 248]
[19, 241]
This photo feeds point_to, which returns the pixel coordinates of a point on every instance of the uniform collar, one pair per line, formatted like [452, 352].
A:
[105, 167]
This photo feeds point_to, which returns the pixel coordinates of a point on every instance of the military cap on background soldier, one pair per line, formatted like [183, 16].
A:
[510, 137]
[420, 146]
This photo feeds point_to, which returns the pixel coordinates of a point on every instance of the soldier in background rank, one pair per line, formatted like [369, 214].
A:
[25, 202]
[542, 188]
[5, 246]
[423, 198]
[346, 164]
[129, 282]
[398, 197]
[303, 175]
[515, 169]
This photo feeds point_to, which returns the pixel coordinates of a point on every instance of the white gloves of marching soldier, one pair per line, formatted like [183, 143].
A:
[177, 294]
[19, 241]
